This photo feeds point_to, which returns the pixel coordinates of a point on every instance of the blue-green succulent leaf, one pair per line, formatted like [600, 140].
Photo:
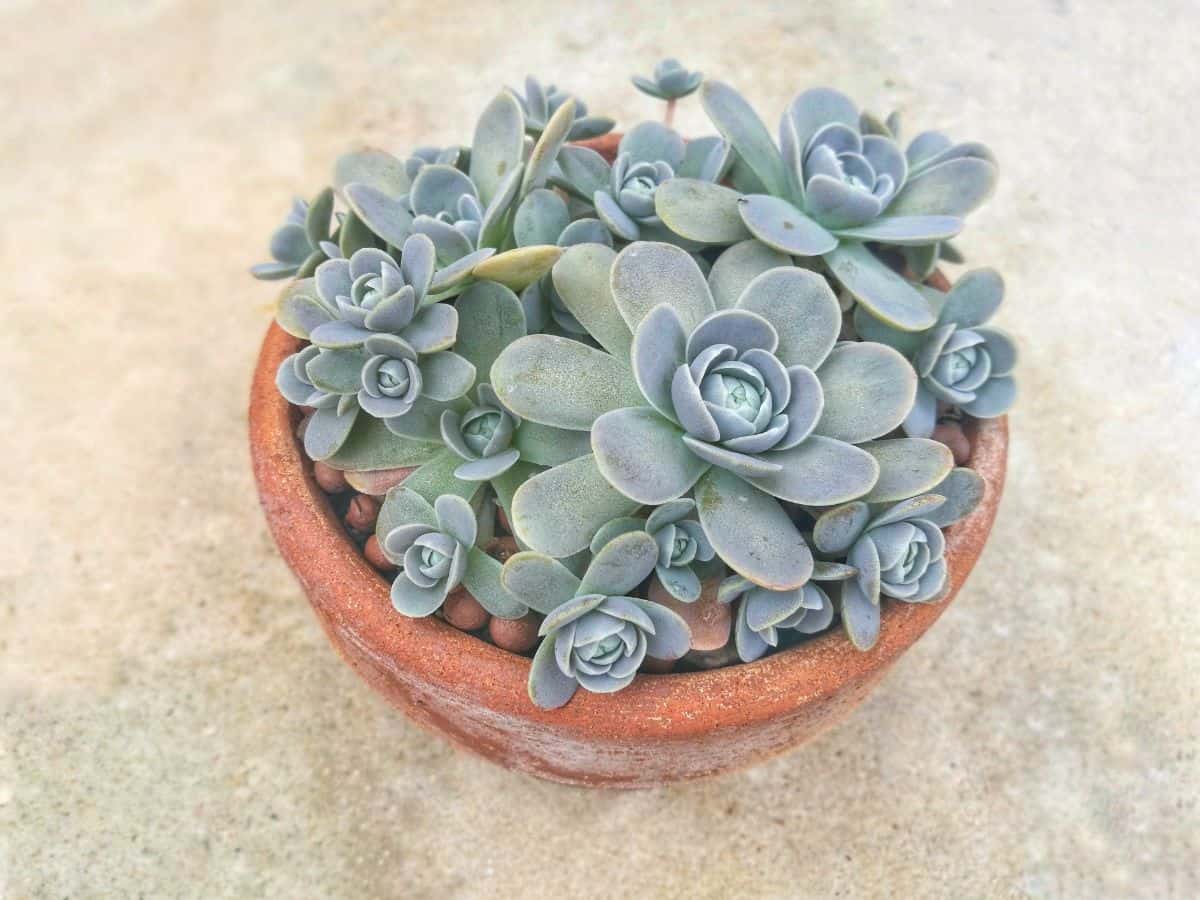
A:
[643, 455]
[751, 532]
[700, 211]
[582, 278]
[803, 310]
[868, 390]
[539, 378]
[739, 265]
[907, 467]
[498, 144]
[782, 227]
[645, 275]
[886, 295]
[741, 126]
[558, 511]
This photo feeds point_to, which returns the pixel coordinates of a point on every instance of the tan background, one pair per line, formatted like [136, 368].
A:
[174, 723]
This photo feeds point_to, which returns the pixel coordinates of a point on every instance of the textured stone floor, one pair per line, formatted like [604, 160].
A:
[173, 722]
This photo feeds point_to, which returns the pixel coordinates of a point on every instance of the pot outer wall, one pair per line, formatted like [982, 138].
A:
[661, 728]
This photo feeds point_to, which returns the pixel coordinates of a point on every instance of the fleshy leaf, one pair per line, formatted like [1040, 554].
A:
[653, 142]
[803, 310]
[538, 581]
[498, 144]
[560, 382]
[298, 312]
[884, 293]
[951, 188]
[860, 616]
[376, 168]
[557, 511]
[483, 579]
[741, 126]
[403, 507]
[540, 218]
[963, 489]
[838, 528]
[700, 211]
[974, 298]
[371, 447]
[436, 479]
[548, 687]
[548, 446]
[907, 467]
[490, 317]
[620, 565]
[647, 274]
[820, 471]
[781, 226]
[554, 135]
[519, 268]
[751, 532]
[327, 431]
[385, 216]
[582, 278]
[643, 455]
[868, 388]
[739, 265]
[905, 231]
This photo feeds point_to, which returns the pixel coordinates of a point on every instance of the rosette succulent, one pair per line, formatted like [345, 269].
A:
[375, 347]
[745, 407]
[898, 552]
[482, 436]
[682, 545]
[300, 244]
[649, 155]
[670, 81]
[762, 614]
[596, 635]
[678, 365]
[540, 102]
[961, 361]
[828, 189]
[435, 549]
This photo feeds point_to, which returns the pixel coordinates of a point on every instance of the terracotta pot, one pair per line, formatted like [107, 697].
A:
[661, 728]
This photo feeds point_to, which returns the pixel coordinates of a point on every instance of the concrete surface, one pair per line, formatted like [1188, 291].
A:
[174, 724]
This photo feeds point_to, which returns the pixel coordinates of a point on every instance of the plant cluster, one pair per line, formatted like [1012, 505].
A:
[706, 370]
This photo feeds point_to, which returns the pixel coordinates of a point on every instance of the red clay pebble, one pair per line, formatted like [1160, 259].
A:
[501, 548]
[464, 612]
[502, 520]
[951, 434]
[374, 554]
[653, 666]
[515, 635]
[330, 479]
[362, 513]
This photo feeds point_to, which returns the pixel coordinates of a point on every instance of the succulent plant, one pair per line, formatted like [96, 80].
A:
[482, 436]
[302, 242]
[596, 634]
[745, 407]
[540, 103]
[829, 191]
[961, 361]
[495, 221]
[898, 552]
[670, 365]
[762, 614]
[682, 545]
[435, 548]
[670, 81]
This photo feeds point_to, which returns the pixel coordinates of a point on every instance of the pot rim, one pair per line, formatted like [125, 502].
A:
[352, 601]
